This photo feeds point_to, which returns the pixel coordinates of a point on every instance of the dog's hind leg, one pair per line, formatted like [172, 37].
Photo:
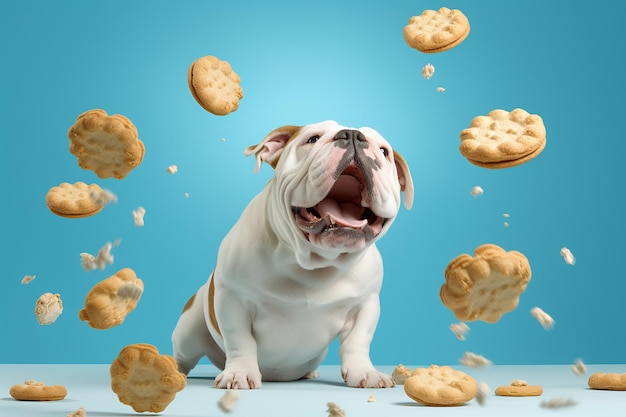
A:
[191, 338]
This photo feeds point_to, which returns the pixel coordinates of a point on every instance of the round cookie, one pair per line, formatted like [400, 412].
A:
[519, 389]
[440, 386]
[607, 381]
[73, 200]
[145, 379]
[37, 391]
[110, 300]
[436, 30]
[214, 85]
[512, 163]
[503, 139]
[107, 145]
[486, 286]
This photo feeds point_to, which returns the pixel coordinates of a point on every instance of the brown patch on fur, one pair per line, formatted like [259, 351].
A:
[189, 303]
[211, 305]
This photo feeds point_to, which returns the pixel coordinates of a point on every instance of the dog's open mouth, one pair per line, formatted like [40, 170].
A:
[345, 209]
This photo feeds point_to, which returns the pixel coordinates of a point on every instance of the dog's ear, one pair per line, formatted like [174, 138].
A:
[404, 177]
[270, 148]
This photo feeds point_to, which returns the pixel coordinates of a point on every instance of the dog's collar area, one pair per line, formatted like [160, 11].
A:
[344, 209]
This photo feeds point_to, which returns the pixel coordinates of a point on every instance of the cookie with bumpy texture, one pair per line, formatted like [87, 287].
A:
[144, 379]
[107, 145]
[37, 391]
[436, 30]
[214, 85]
[110, 300]
[74, 200]
[440, 386]
[503, 139]
[486, 286]
[607, 381]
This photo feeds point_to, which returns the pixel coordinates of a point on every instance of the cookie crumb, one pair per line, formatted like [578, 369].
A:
[102, 197]
[473, 360]
[104, 257]
[371, 399]
[428, 70]
[228, 401]
[481, 393]
[334, 410]
[477, 191]
[48, 308]
[172, 169]
[579, 367]
[543, 318]
[28, 278]
[460, 330]
[440, 89]
[130, 290]
[78, 413]
[34, 383]
[400, 374]
[567, 256]
[138, 216]
[558, 403]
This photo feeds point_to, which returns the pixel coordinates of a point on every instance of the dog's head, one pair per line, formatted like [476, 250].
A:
[339, 187]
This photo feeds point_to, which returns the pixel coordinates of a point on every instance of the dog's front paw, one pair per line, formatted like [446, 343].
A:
[366, 378]
[238, 379]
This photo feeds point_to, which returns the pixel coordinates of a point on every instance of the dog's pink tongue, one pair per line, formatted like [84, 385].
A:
[346, 214]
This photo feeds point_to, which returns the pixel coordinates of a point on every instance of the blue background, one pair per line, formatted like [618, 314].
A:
[301, 63]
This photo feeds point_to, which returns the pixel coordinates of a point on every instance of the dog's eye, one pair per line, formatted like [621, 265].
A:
[385, 152]
[313, 139]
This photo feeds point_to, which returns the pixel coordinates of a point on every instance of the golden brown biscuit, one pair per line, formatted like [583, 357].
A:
[48, 308]
[440, 386]
[37, 391]
[145, 379]
[487, 286]
[214, 85]
[608, 381]
[110, 300]
[73, 200]
[503, 139]
[436, 30]
[107, 145]
[519, 388]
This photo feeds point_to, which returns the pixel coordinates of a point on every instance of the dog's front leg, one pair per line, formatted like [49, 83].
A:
[355, 338]
[241, 370]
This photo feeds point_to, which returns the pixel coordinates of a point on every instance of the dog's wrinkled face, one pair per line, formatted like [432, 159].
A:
[340, 187]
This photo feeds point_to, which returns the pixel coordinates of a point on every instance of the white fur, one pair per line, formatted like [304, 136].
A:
[280, 297]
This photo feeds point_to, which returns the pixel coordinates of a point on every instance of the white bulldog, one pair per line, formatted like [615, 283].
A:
[300, 267]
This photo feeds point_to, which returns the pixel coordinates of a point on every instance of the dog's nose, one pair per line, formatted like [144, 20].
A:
[349, 135]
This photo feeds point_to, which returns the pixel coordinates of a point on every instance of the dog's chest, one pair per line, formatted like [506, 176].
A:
[291, 313]
[298, 330]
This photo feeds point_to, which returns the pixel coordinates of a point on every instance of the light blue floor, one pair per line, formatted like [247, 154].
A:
[88, 386]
